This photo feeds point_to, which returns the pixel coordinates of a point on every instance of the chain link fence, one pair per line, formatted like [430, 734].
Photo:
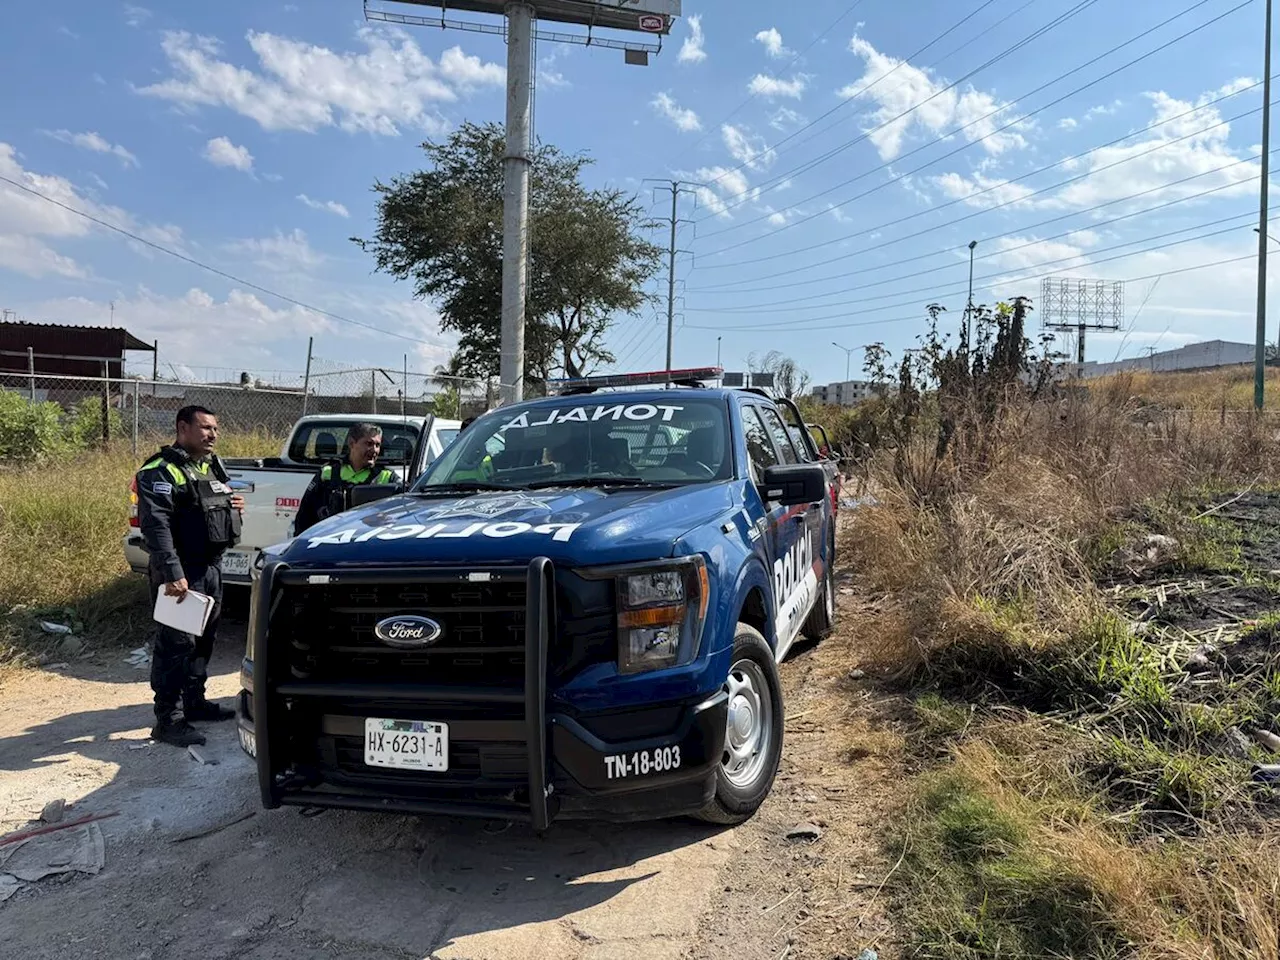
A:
[41, 410]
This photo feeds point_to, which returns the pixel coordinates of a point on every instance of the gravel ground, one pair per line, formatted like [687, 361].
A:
[278, 884]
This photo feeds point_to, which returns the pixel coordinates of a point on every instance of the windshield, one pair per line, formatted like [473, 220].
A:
[319, 441]
[597, 441]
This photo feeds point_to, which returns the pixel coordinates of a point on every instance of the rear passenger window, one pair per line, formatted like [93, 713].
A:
[779, 432]
[760, 450]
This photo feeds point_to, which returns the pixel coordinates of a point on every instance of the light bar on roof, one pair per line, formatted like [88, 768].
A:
[636, 379]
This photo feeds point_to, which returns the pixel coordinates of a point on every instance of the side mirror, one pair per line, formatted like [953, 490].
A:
[372, 492]
[792, 484]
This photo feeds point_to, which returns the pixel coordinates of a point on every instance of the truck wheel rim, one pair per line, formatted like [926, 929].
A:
[748, 740]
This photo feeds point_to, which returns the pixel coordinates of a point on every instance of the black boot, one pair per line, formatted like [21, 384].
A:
[179, 733]
[200, 709]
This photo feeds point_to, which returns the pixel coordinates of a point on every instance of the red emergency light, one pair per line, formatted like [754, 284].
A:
[651, 378]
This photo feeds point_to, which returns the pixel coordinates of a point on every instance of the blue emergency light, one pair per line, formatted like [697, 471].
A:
[692, 376]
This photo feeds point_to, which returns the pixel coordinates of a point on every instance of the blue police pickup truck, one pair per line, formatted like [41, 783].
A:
[577, 610]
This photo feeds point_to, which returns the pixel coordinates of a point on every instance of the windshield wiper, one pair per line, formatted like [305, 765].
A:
[465, 486]
[601, 482]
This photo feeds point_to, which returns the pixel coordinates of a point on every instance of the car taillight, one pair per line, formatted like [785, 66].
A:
[133, 502]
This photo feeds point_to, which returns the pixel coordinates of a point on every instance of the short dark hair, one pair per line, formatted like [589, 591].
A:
[188, 413]
[361, 430]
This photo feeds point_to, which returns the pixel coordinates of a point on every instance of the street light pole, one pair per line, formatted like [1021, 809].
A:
[1260, 356]
[968, 309]
[848, 354]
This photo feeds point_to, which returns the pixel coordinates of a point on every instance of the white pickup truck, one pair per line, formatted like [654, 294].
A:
[272, 487]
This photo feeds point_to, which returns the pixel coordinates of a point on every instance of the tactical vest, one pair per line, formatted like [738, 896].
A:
[338, 496]
[212, 495]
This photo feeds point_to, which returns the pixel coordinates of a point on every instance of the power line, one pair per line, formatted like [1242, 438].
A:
[204, 266]
[772, 307]
[738, 289]
[1009, 51]
[966, 146]
[772, 148]
[917, 317]
[804, 325]
[1010, 202]
[794, 60]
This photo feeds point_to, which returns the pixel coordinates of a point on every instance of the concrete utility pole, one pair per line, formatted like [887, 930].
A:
[1260, 351]
[968, 307]
[515, 199]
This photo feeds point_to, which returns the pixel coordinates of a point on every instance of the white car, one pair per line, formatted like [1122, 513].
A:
[272, 487]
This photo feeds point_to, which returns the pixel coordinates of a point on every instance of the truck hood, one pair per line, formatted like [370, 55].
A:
[571, 525]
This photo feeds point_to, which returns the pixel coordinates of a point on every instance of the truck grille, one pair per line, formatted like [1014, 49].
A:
[482, 639]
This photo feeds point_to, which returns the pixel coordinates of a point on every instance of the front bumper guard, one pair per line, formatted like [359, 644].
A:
[559, 748]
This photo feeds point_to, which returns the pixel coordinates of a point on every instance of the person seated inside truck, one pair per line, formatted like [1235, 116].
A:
[588, 450]
[330, 491]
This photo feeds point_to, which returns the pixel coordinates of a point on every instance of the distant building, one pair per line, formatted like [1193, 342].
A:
[1194, 356]
[844, 393]
[58, 349]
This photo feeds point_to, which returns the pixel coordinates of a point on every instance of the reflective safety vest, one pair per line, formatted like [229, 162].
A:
[337, 495]
[482, 471]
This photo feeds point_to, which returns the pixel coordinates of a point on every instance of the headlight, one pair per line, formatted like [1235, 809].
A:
[661, 612]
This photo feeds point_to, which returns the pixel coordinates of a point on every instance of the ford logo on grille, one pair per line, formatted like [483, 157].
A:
[408, 631]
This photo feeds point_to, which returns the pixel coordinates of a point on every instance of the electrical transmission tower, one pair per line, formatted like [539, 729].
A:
[675, 188]
[1075, 306]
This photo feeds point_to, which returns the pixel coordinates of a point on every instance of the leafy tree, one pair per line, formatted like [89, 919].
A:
[441, 228]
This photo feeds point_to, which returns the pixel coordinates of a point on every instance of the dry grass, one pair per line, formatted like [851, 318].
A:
[1079, 803]
[61, 553]
[1222, 388]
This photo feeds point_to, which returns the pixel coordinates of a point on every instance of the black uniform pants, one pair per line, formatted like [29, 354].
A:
[180, 661]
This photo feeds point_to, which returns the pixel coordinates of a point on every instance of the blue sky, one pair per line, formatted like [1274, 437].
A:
[247, 136]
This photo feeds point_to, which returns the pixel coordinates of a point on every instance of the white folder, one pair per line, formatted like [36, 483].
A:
[189, 616]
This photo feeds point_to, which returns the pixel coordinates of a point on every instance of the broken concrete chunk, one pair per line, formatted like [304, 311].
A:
[200, 757]
[1267, 739]
[1237, 743]
[53, 811]
[71, 646]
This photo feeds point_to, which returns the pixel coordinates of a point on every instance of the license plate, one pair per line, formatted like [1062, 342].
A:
[410, 744]
[235, 563]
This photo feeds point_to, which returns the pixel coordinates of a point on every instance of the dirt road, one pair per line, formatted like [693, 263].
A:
[268, 885]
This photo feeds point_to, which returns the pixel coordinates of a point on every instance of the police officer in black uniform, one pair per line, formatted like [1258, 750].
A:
[188, 517]
[330, 491]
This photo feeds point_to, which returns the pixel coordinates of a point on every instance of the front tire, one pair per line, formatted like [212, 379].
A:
[753, 740]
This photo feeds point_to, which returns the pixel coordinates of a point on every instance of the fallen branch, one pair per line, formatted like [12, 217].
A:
[21, 835]
[216, 829]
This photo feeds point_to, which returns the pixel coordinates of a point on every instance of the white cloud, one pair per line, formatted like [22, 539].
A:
[27, 222]
[332, 206]
[778, 218]
[99, 79]
[763, 85]
[280, 252]
[1152, 160]
[838, 215]
[1030, 252]
[237, 331]
[691, 51]
[34, 258]
[981, 191]
[724, 185]
[1103, 109]
[682, 118]
[945, 110]
[772, 41]
[92, 141]
[746, 148]
[221, 152]
[784, 118]
[1068, 123]
[136, 16]
[301, 86]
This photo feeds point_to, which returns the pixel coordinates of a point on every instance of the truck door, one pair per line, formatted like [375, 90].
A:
[787, 542]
